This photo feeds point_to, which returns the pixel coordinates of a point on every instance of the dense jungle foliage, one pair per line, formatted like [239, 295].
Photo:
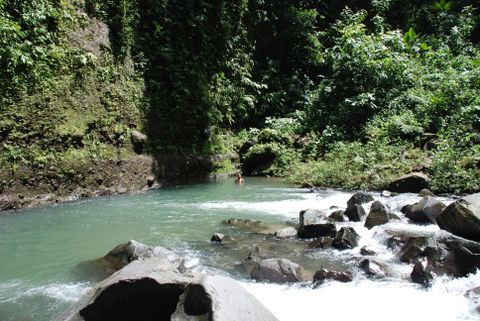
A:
[349, 93]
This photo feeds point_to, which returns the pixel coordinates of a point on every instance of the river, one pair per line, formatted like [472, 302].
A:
[42, 250]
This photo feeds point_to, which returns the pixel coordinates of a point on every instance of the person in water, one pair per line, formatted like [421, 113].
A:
[239, 178]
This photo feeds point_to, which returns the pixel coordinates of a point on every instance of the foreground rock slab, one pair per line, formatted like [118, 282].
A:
[153, 289]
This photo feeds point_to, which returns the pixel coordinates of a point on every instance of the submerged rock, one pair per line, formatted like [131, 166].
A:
[277, 270]
[246, 224]
[217, 238]
[153, 289]
[321, 243]
[379, 214]
[462, 218]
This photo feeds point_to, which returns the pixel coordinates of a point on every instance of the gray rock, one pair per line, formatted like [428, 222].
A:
[217, 238]
[425, 211]
[421, 274]
[139, 140]
[133, 250]
[277, 270]
[462, 218]
[386, 193]
[379, 214]
[153, 289]
[246, 224]
[323, 275]
[373, 268]
[425, 192]
[410, 183]
[365, 251]
[359, 198]
[445, 253]
[321, 243]
[286, 233]
[338, 216]
[355, 213]
[311, 216]
[346, 238]
[314, 223]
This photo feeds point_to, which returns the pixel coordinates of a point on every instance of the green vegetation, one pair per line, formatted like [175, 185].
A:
[349, 93]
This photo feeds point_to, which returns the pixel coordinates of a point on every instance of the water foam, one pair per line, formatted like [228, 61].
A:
[15, 291]
[369, 300]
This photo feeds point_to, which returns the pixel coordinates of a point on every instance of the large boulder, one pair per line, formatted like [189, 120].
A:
[379, 214]
[355, 213]
[410, 183]
[462, 218]
[314, 223]
[446, 254]
[346, 238]
[425, 211]
[277, 270]
[359, 198]
[153, 289]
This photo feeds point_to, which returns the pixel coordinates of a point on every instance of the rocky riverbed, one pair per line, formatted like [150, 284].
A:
[366, 238]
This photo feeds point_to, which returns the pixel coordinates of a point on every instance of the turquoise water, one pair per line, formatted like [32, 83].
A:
[42, 251]
[40, 248]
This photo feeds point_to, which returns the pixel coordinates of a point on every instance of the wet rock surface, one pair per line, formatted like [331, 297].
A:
[359, 198]
[425, 211]
[379, 214]
[355, 213]
[323, 275]
[346, 238]
[277, 270]
[462, 218]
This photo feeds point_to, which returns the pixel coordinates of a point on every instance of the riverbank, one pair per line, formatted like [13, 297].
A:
[29, 188]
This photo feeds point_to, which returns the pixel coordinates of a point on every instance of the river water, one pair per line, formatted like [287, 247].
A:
[42, 250]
